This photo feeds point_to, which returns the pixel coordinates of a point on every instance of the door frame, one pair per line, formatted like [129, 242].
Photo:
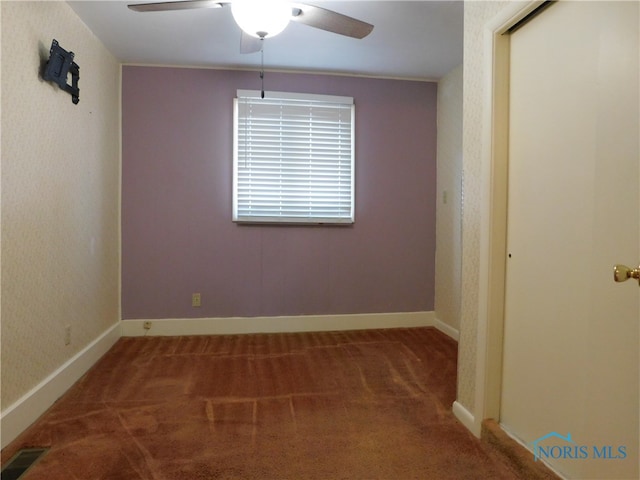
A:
[493, 206]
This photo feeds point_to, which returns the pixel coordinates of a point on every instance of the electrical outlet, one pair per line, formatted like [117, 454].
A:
[146, 325]
[67, 334]
[195, 300]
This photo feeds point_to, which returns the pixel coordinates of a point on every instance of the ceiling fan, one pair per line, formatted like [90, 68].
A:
[260, 19]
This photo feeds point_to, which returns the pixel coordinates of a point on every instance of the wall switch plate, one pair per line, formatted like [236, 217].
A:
[195, 300]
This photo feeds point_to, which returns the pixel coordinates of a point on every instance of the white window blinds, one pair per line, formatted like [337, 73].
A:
[293, 158]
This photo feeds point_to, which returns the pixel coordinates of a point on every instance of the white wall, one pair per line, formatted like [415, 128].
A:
[60, 197]
[449, 200]
[476, 16]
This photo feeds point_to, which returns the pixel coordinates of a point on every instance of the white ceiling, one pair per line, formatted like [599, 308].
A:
[414, 39]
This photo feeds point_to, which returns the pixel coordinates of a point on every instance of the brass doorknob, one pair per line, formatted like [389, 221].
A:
[622, 273]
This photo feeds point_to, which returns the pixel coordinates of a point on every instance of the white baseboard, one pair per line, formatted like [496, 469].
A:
[447, 329]
[466, 418]
[304, 323]
[16, 418]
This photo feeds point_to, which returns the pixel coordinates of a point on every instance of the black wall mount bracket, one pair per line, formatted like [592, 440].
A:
[59, 66]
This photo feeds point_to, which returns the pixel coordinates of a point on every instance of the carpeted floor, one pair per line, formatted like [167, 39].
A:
[370, 404]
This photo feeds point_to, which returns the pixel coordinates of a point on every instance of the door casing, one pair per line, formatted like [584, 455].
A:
[493, 225]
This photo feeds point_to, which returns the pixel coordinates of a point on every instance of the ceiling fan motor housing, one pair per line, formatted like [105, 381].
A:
[261, 18]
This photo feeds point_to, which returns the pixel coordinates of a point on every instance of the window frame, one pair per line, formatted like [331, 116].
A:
[302, 219]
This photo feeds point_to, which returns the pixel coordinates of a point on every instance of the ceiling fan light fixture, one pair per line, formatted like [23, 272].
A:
[261, 18]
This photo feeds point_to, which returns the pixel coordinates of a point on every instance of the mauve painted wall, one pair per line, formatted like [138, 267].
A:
[177, 233]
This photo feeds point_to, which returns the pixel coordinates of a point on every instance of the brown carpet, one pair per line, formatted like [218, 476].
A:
[370, 404]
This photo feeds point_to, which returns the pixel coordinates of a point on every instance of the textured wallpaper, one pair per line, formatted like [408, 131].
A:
[60, 196]
[449, 206]
[476, 15]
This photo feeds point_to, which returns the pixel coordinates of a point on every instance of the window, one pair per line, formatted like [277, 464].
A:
[293, 158]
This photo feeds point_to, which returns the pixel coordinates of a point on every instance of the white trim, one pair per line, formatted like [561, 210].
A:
[284, 70]
[307, 97]
[16, 418]
[303, 323]
[447, 329]
[493, 214]
[120, 143]
[465, 417]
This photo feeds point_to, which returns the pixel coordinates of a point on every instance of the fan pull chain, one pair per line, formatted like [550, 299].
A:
[262, 66]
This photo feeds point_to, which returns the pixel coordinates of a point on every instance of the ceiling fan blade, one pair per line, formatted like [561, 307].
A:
[179, 5]
[330, 21]
[249, 44]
